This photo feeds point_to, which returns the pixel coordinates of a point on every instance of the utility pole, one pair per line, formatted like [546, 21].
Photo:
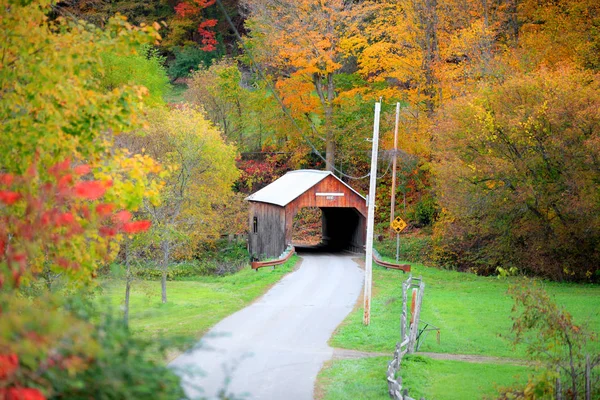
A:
[393, 196]
[370, 219]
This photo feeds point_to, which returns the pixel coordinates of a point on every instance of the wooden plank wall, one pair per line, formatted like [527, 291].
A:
[269, 240]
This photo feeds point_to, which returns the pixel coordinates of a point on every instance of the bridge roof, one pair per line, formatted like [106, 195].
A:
[291, 185]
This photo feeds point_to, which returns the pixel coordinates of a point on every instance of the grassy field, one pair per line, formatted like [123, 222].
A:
[194, 305]
[423, 376]
[175, 95]
[473, 314]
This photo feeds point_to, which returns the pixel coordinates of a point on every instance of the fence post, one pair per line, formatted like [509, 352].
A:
[414, 328]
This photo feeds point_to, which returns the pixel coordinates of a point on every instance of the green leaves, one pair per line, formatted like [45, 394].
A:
[52, 102]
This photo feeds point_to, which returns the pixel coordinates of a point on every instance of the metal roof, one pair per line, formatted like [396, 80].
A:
[287, 188]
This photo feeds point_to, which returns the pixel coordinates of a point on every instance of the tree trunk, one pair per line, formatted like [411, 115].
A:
[127, 282]
[426, 17]
[165, 265]
[329, 137]
[326, 93]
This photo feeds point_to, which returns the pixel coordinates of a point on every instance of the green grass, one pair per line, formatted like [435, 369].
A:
[194, 305]
[176, 94]
[473, 312]
[422, 376]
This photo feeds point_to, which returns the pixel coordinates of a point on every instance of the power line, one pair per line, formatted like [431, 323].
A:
[276, 95]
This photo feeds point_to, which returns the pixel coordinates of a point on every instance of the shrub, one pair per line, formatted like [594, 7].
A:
[188, 59]
[412, 248]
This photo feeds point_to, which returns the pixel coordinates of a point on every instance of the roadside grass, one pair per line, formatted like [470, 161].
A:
[194, 304]
[473, 312]
[422, 376]
[176, 93]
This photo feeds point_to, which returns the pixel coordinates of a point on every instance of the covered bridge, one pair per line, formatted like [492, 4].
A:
[272, 211]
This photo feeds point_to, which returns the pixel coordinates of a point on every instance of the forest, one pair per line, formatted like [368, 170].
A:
[133, 130]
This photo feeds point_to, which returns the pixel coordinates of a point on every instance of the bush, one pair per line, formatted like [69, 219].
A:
[125, 367]
[220, 258]
[188, 59]
[412, 248]
[425, 212]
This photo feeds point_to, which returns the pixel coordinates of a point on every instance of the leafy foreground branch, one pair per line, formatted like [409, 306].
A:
[559, 347]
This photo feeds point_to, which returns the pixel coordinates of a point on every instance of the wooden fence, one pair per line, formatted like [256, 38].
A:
[409, 330]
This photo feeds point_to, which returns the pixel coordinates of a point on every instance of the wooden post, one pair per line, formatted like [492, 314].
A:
[414, 328]
[370, 219]
[397, 246]
[413, 303]
[393, 196]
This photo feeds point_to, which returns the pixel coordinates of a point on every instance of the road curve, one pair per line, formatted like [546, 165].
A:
[274, 348]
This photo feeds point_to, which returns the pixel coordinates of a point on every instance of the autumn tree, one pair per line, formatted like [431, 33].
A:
[247, 115]
[300, 39]
[516, 176]
[66, 196]
[202, 171]
[50, 83]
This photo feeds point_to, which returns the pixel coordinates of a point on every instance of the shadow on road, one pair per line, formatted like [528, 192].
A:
[322, 249]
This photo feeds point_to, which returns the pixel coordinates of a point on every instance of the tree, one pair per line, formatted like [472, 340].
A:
[553, 339]
[301, 40]
[52, 104]
[65, 200]
[516, 175]
[202, 172]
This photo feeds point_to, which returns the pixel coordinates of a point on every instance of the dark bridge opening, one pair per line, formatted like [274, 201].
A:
[342, 230]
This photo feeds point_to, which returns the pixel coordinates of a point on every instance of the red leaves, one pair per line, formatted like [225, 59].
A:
[137, 226]
[122, 217]
[209, 23]
[16, 393]
[104, 209]
[185, 9]
[193, 8]
[82, 169]
[208, 36]
[65, 181]
[54, 213]
[8, 365]
[91, 190]
[107, 231]
[6, 179]
[8, 197]
[58, 168]
[65, 219]
[190, 8]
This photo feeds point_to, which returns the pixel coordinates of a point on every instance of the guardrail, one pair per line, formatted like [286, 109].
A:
[259, 264]
[386, 264]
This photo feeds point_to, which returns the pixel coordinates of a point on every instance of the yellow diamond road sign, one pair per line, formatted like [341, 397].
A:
[398, 224]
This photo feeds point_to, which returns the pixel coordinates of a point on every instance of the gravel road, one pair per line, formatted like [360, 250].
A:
[274, 348]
